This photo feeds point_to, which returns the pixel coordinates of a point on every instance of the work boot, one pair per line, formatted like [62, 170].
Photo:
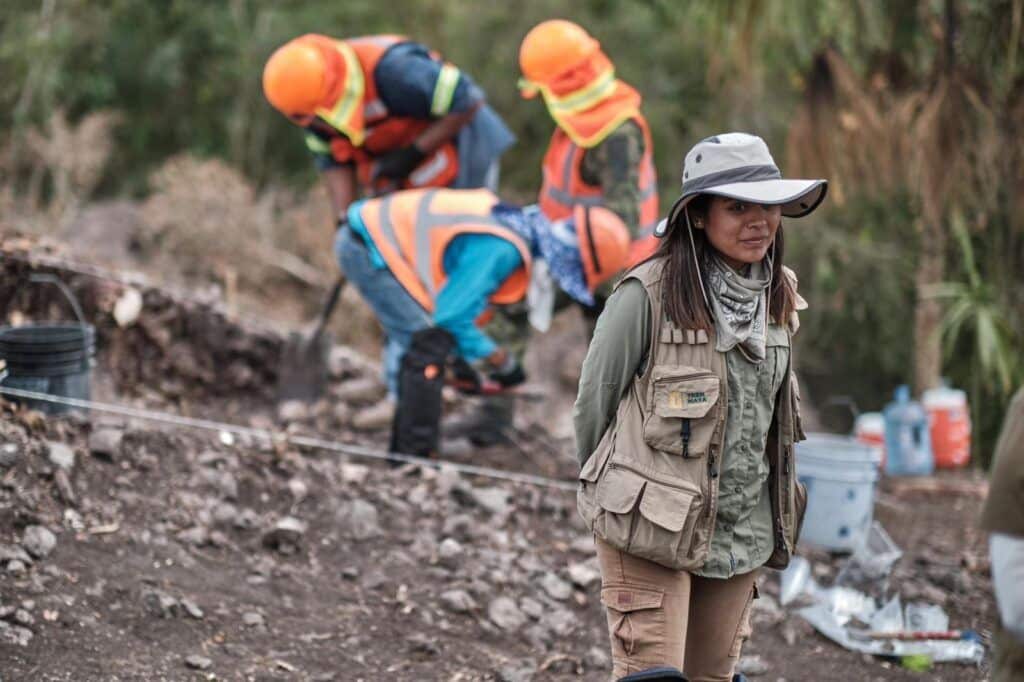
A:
[663, 674]
[374, 418]
[488, 423]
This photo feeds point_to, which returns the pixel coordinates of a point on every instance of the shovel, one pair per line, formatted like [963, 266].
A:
[303, 368]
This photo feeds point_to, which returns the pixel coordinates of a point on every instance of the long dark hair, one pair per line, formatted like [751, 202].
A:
[681, 286]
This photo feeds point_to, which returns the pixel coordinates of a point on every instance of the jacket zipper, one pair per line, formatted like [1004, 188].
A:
[712, 475]
[685, 434]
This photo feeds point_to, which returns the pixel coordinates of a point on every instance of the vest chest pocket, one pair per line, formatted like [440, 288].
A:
[681, 420]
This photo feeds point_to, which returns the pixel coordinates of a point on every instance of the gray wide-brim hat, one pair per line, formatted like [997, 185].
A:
[739, 166]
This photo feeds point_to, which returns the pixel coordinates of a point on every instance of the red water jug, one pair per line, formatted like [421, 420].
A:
[950, 426]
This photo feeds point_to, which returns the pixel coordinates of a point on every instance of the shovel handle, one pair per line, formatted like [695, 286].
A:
[329, 305]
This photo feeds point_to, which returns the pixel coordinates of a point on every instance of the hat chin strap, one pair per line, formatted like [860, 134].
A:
[693, 250]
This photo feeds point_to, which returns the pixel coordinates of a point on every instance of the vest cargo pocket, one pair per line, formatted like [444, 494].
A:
[681, 421]
[651, 519]
[617, 493]
[663, 528]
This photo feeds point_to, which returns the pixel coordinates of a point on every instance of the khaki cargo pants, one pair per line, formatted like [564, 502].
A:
[650, 609]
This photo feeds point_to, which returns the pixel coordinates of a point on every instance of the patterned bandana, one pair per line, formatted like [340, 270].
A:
[554, 241]
[739, 304]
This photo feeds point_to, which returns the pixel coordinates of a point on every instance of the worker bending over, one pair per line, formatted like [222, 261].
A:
[382, 113]
[430, 263]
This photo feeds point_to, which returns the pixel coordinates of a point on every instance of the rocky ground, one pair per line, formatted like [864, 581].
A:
[133, 550]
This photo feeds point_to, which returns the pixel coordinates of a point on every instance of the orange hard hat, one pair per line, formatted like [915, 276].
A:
[295, 78]
[604, 243]
[553, 47]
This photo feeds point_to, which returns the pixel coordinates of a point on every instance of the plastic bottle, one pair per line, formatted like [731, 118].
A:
[907, 437]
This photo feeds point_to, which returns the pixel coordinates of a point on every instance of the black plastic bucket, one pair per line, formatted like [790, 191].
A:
[55, 358]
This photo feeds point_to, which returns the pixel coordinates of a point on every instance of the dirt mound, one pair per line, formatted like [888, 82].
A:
[174, 345]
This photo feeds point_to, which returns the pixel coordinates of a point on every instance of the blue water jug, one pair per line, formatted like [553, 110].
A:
[907, 441]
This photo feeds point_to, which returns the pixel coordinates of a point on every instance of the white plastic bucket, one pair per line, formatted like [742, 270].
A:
[840, 474]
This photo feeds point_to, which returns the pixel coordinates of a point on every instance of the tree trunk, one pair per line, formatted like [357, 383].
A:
[928, 310]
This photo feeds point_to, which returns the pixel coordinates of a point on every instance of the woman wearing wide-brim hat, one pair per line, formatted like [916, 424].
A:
[686, 417]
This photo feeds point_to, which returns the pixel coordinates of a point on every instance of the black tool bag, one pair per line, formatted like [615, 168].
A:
[417, 425]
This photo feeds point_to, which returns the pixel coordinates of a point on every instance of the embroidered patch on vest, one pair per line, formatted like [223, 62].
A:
[677, 399]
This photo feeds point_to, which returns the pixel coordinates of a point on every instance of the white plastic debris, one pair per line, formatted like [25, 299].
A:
[128, 307]
[848, 613]
[796, 580]
[868, 568]
[889, 618]
[926, 618]
[939, 651]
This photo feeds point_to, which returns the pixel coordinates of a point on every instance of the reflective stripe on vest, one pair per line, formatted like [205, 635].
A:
[377, 132]
[564, 187]
[421, 251]
[444, 90]
[572, 159]
[583, 99]
[352, 95]
[369, 50]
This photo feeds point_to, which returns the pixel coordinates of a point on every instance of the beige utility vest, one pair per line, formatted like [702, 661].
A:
[650, 488]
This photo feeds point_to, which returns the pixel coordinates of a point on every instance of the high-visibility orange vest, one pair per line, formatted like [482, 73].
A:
[411, 230]
[366, 127]
[564, 187]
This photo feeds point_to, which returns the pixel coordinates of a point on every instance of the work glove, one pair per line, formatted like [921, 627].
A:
[510, 373]
[398, 163]
[463, 377]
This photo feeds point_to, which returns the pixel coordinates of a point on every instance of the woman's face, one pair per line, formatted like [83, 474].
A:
[741, 232]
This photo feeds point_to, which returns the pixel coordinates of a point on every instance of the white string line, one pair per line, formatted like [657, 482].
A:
[304, 441]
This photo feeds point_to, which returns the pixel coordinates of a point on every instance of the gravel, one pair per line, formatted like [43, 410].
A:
[38, 541]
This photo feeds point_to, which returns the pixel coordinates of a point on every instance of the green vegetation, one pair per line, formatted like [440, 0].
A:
[911, 107]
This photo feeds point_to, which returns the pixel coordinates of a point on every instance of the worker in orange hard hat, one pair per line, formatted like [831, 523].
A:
[382, 113]
[431, 262]
[600, 152]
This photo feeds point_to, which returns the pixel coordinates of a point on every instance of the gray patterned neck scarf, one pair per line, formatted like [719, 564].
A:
[739, 304]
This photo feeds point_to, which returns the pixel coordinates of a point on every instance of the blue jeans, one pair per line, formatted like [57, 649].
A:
[397, 311]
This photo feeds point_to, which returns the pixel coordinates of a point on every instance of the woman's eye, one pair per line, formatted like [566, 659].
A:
[738, 207]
